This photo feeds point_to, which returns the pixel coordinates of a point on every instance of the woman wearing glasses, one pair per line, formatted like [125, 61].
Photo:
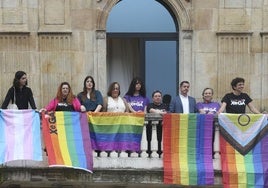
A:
[113, 102]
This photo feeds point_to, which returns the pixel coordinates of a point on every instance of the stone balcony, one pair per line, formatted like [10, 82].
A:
[113, 169]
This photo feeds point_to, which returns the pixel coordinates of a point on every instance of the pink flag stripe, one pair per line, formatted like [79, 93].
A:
[20, 135]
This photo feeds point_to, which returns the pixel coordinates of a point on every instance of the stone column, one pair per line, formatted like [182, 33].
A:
[264, 72]
[100, 65]
[186, 67]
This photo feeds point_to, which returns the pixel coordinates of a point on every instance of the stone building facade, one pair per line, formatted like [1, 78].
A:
[65, 40]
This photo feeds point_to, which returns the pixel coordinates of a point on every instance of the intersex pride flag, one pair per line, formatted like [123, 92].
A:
[188, 149]
[116, 131]
[244, 153]
[20, 137]
[67, 140]
[243, 131]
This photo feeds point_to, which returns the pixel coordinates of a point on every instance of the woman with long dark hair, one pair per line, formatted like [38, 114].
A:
[23, 94]
[90, 98]
[136, 96]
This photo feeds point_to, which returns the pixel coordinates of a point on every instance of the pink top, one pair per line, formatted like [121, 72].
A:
[54, 102]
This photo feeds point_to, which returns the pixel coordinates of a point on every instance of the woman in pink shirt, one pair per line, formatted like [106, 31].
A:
[65, 100]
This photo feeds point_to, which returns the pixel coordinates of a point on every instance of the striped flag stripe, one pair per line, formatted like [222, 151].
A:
[68, 140]
[20, 135]
[187, 149]
[116, 131]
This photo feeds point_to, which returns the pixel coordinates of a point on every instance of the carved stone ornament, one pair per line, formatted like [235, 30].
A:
[187, 34]
[100, 34]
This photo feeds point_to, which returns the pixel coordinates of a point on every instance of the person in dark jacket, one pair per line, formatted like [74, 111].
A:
[183, 103]
[23, 94]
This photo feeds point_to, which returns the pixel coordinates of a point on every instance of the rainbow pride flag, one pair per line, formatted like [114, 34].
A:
[67, 140]
[188, 149]
[20, 137]
[244, 170]
[116, 131]
[250, 170]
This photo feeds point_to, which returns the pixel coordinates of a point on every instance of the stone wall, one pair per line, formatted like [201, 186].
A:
[65, 40]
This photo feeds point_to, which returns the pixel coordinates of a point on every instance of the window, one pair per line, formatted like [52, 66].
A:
[142, 41]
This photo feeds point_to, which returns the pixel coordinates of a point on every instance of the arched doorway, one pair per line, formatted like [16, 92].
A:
[143, 44]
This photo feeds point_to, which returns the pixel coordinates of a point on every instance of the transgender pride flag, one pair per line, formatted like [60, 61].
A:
[20, 135]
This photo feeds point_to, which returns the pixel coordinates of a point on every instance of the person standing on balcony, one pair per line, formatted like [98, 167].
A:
[183, 103]
[113, 102]
[160, 108]
[64, 101]
[20, 92]
[136, 96]
[157, 106]
[90, 98]
[208, 106]
[236, 101]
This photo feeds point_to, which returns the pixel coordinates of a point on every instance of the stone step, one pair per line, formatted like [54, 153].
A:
[68, 177]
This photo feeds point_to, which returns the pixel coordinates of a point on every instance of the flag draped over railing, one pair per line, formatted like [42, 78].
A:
[116, 131]
[244, 153]
[20, 135]
[243, 131]
[67, 140]
[188, 149]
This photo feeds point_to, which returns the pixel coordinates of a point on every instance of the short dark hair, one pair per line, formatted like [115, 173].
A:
[156, 91]
[184, 82]
[236, 80]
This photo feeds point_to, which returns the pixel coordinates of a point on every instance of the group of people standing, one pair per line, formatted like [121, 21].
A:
[90, 99]
[87, 100]
[233, 102]
[135, 100]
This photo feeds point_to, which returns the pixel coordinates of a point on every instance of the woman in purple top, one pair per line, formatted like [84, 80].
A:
[207, 106]
[136, 96]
